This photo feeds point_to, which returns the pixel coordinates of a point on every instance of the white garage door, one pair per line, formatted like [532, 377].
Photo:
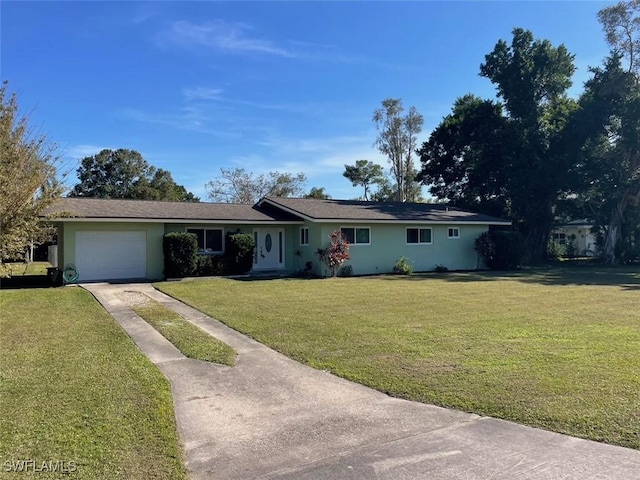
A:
[110, 255]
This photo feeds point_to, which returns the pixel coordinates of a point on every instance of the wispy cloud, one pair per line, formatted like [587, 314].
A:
[202, 93]
[144, 12]
[235, 38]
[224, 37]
[81, 151]
[188, 118]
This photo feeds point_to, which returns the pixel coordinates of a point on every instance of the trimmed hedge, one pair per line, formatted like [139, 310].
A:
[210, 265]
[238, 256]
[181, 258]
[180, 254]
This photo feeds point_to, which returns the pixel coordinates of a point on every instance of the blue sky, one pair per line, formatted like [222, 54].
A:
[287, 86]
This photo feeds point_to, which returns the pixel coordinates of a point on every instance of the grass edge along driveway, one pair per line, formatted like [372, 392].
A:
[76, 390]
[192, 341]
[555, 349]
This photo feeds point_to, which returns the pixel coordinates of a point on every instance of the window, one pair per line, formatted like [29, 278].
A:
[454, 232]
[209, 240]
[560, 238]
[304, 236]
[357, 235]
[418, 235]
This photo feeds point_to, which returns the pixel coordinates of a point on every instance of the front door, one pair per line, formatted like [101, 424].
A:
[269, 252]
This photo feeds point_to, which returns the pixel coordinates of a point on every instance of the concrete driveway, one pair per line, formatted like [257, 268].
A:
[271, 417]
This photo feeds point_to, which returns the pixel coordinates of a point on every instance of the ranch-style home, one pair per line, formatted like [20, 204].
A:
[122, 239]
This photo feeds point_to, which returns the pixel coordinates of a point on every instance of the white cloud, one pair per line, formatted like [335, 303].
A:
[78, 152]
[202, 93]
[225, 37]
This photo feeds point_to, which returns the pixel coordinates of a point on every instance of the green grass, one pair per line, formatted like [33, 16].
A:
[75, 388]
[557, 349]
[188, 338]
[23, 269]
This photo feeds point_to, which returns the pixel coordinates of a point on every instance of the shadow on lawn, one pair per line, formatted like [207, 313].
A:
[26, 281]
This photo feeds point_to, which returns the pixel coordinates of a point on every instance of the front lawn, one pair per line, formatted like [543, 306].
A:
[556, 349]
[77, 395]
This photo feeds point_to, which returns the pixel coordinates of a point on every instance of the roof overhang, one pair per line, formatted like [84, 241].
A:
[169, 220]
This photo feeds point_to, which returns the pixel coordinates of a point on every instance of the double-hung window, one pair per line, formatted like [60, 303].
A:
[357, 235]
[418, 235]
[304, 236]
[210, 240]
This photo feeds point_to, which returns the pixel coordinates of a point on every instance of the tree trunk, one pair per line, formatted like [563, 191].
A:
[536, 240]
[613, 233]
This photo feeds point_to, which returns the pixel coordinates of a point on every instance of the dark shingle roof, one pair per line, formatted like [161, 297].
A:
[94, 208]
[267, 210]
[344, 210]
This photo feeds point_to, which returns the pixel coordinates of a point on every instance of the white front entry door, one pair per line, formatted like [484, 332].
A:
[269, 252]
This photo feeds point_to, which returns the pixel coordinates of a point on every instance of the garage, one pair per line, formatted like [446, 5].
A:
[111, 255]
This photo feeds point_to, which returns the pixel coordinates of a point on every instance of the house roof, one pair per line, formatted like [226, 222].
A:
[582, 222]
[358, 211]
[78, 208]
[268, 210]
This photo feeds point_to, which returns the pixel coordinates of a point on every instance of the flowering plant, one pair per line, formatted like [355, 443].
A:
[336, 253]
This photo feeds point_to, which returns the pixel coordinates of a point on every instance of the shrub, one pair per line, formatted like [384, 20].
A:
[571, 248]
[336, 253]
[555, 251]
[402, 267]
[441, 269]
[180, 254]
[346, 271]
[502, 249]
[209, 265]
[238, 257]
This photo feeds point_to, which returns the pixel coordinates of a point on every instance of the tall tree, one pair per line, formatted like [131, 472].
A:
[318, 192]
[621, 24]
[126, 174]
[509, 157]
[28, 184]
[465, 158]
[397, 137]
[532, 77]
[364, 173]
[607, 129]
[239, 186]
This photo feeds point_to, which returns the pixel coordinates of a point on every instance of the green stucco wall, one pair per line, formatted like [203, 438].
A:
[388, 243]
[154, 231]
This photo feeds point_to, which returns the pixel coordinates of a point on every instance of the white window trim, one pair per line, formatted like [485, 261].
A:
[306, 244]
[453, 237]
[354, 244]
[418, 242]
[200, 227]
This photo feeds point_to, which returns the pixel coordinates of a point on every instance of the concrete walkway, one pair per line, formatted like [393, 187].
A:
[271, 417]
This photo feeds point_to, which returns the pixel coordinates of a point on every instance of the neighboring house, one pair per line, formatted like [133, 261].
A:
[122, 239]
[579, 233]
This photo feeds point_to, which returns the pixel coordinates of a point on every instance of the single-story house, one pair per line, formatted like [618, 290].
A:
[122, 239]
[579, 232]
